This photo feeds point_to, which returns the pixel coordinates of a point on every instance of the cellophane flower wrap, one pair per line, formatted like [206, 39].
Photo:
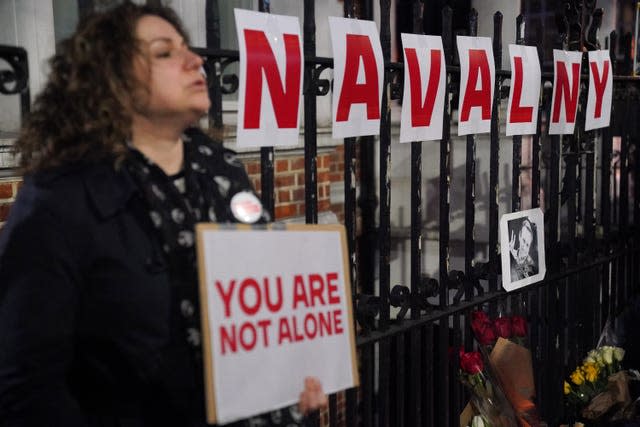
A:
[487, 398]
[504, 338]
[598, 388]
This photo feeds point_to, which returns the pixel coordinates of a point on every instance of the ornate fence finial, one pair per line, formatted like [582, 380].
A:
[447, 33]
[573, 13]
[562, 25]
[473, 23]
[520, 26]
[497, 39]
[591, 41]
[16, 79]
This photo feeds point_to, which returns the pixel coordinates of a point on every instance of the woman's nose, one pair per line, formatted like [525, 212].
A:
[193, 60]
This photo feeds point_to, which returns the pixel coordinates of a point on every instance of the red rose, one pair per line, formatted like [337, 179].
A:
[519, 326]
[471, 363]
[479, 316]
[483, 331]
[503, 327]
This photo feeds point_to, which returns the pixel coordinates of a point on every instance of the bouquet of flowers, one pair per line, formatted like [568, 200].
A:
[486, 397]
[504, 337]
[598, 388]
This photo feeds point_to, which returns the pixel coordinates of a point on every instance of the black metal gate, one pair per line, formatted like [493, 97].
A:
[407, 377]
[591, 203]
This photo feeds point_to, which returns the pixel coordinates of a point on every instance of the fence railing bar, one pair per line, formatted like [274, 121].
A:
[212, 19]
[384, 232]
[398, 398]
[445, 165]
[428, 395]
[535, 146]
[470, 186]
[437, 315]
[414, 401]
[232, 54]
[267, 156]
[494, 158]
[310, 120]
[624, 166]
[384, 166]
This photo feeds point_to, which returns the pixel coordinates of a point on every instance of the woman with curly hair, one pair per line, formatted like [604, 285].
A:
[98, 299]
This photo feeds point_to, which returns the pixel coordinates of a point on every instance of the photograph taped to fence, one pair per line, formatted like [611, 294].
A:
[276, 308]
[522, 245]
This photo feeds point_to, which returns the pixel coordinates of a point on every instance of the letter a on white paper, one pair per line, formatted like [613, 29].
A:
[477, 79]
[358, 73]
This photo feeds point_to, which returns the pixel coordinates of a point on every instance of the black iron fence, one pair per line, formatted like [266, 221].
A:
[585, 181]
[13, 81]
[407, 377]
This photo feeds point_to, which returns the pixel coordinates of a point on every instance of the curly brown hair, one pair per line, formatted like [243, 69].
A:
[84, 111]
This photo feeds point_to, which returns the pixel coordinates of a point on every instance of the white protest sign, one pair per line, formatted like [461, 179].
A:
[477, 79]
[522, 109]
[358, 77]
[270, 90]
[424, 84]
[276, 308]
[600, 90]
[522, 246]
[566, 91]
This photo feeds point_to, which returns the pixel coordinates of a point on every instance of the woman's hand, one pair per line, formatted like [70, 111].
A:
[312, 397]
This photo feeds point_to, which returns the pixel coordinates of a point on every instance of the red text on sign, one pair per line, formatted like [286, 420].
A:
[315, 290]
[247, 336]
[261, 60]
[359, 49]
[474, 97]
[564, 93]
[295, 329]
[600, 84]
[251, 294]
[421, 111]
[518, 113]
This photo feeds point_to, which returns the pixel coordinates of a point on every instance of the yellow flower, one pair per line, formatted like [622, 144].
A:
[590, 371]
[567, 388]
[576, 377]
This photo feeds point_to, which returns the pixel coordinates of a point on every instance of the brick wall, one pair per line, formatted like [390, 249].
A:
[289, 182]
[8, 191]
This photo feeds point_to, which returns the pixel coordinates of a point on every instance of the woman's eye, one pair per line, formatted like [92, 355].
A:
[164, 54]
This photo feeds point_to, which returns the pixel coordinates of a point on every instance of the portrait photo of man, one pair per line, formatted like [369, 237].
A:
[522, 249]
[522, 243]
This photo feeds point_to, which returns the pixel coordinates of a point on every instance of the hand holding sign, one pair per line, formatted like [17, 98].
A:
[312, 398]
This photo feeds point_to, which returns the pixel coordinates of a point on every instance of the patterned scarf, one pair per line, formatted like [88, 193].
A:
[212, 176]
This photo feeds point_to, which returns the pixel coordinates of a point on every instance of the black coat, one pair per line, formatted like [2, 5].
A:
[87, 316]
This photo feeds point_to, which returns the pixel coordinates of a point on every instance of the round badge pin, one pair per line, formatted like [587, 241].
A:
[246, 207]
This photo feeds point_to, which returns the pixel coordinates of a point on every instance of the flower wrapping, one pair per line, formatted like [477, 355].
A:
[487, 398]
[612, 401]
[513, 368]
[598, 389]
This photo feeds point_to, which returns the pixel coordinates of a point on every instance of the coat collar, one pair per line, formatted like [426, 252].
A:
[108, 188]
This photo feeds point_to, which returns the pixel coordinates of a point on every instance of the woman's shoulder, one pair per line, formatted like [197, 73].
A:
[71, 191]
